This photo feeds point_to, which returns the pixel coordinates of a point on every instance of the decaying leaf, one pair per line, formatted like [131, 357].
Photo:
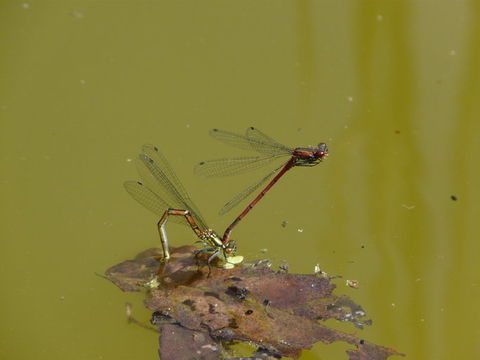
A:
[202, 311]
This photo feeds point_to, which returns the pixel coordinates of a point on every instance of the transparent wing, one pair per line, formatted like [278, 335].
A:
[233, 166]
[254, 140]
[264, 144]
[169, 175]
[160, 180]
[150, 200]
[155, 181]
[245, 193]
[154, 153]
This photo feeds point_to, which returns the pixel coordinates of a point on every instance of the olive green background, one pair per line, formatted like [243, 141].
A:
[391, 86]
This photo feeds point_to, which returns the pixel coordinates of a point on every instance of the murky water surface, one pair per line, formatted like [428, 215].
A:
[392, 87]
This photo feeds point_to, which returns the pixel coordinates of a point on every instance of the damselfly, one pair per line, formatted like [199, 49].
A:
[269, 150]
[162, 193]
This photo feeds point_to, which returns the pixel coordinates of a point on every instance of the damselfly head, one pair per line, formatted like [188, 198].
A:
[321, 151]
[230, 248]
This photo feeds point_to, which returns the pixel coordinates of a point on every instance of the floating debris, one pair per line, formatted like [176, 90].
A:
[199, 312]
[319, 272]
[352, 283]
[283, 267]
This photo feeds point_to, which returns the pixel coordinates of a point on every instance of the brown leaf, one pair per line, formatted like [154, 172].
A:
[203, 310]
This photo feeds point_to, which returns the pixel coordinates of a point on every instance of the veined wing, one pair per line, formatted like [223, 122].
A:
[245, 193]
[160, 180]
[150, 200]
[154, 153]
[157, 182]
[162, 163]
[264, 144]
[233, 166]
[254, 140]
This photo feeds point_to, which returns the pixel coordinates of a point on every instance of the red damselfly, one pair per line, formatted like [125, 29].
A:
[162, 193]
[269, 150]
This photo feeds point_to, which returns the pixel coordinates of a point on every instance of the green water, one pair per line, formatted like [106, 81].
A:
[391, 86]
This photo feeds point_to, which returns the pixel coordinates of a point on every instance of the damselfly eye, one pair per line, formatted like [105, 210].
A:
[231, 247]
[322, 150]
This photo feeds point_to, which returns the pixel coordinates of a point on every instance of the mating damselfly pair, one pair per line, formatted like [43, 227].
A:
[162, 192]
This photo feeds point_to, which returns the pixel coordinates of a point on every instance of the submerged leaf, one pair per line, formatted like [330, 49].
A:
[201, 311]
